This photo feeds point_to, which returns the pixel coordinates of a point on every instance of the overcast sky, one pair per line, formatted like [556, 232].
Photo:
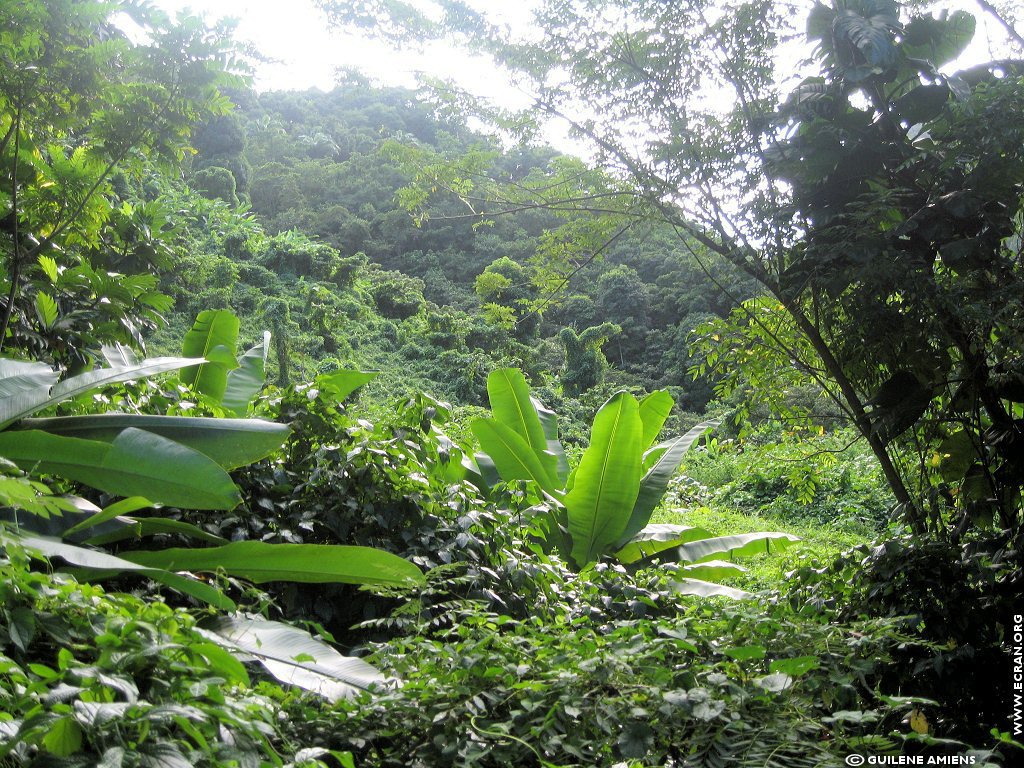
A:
[308, 53]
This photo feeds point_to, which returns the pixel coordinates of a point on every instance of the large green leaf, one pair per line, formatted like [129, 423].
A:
[655, 481]
[739, 545]
[713, 570]
[229, 442]
[260, 562]
[135, 463]
[104, 565]
[342, 383]
[511, 406]
[940, 40]
[26, 402]
[654, 409]
[656, 538]
[607, 480]
[511, 454]
[212, 337]
[293, 656]
[245, 382]
[549, 422]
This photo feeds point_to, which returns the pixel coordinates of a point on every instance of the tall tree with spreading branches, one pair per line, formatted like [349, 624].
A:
[876, 199]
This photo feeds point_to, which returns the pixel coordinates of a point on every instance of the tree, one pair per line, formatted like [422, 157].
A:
[878, 207]
[585, 363]
[85, 114]
[505, 285]
[622, 299]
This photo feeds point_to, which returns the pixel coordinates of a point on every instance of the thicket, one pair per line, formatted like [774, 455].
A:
[253, 551]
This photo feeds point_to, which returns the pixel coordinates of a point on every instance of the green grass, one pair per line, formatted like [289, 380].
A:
[819, 543]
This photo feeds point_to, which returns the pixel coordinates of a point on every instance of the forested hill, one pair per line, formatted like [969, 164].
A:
[304, 233]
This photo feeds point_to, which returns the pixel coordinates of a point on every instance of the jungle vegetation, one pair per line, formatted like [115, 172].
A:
[364, 428]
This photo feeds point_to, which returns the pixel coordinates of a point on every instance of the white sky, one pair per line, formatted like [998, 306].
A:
[307, 52]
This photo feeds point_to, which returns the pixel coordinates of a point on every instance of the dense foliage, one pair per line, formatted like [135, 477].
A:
[338, 522]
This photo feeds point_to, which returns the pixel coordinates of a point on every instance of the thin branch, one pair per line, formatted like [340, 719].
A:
[1011, 31]
[16, 253]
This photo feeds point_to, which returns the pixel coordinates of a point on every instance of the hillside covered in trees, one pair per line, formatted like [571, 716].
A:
[362, 427]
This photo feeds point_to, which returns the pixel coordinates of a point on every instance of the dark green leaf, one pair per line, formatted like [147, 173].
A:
[260, 562]
[231, 443]
[133, 464]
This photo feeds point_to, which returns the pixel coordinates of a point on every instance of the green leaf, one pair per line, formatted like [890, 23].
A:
[746, 652]
[512, 455]
[656, 538]
[655, 481]
[957, 453]
[222, 662]
[654, 409]
[607, 480]
[707, 589]
[22, 628]
[342, 383]
[939, 40]
[739, 545]
[799, 665]
[260, 562]
[135, 463]
[294, 656]
[46, 310]
[511, 406]
[49, 267]
[123, 507]
[212, 337]
[245, 382]
[922, 104]
[713, 570]
[63, 737]
[231, 443]
[103, 565]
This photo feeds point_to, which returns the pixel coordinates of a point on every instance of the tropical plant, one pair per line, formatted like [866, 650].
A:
[88, 112]
[878, 206]
[230, 382]
[178, 461]
[604, 505]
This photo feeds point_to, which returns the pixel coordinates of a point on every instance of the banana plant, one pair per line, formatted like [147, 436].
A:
[154, 461]
[179, 461]
[605, 504]
[228, 381]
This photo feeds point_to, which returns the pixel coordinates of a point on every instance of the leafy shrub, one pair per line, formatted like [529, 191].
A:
[959, 600]
[711, 685]
[821, 479]
[90, 678]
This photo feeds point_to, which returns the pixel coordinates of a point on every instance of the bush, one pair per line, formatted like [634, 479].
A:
[90, 678]
[957, 600]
